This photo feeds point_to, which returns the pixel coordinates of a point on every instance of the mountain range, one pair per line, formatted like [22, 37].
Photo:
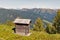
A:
[33, 14]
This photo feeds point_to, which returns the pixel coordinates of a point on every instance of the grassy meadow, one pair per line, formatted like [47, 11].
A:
[6, 33]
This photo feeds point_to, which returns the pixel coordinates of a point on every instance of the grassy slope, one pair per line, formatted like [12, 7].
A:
[6, 33]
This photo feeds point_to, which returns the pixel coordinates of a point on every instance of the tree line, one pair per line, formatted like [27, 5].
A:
[50, 28]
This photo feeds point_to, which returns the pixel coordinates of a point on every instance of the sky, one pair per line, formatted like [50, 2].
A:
[18, 4]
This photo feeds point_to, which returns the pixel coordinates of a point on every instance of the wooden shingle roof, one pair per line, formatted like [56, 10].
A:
[22, 21]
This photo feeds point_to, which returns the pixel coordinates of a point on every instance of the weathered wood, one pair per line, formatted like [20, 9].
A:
[22, 28]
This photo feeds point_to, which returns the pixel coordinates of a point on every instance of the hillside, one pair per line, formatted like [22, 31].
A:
[11, 14]
[6, 33]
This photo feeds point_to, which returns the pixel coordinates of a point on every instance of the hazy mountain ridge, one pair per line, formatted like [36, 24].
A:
[11, 14]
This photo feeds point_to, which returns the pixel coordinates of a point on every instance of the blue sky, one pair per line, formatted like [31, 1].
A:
[53, 4]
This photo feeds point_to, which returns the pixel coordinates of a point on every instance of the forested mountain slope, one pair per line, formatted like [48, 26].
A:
[11, 14]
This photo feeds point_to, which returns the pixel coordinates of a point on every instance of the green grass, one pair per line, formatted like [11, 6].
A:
[6, 33]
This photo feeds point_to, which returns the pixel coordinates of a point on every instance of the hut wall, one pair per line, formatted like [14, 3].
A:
[22, 29]
[27, 29]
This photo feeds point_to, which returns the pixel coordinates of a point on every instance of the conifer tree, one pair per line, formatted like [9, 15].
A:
[57, 22]
[50, 29]
[38, 26]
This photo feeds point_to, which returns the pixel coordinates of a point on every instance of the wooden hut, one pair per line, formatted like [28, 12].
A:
[22, 26]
